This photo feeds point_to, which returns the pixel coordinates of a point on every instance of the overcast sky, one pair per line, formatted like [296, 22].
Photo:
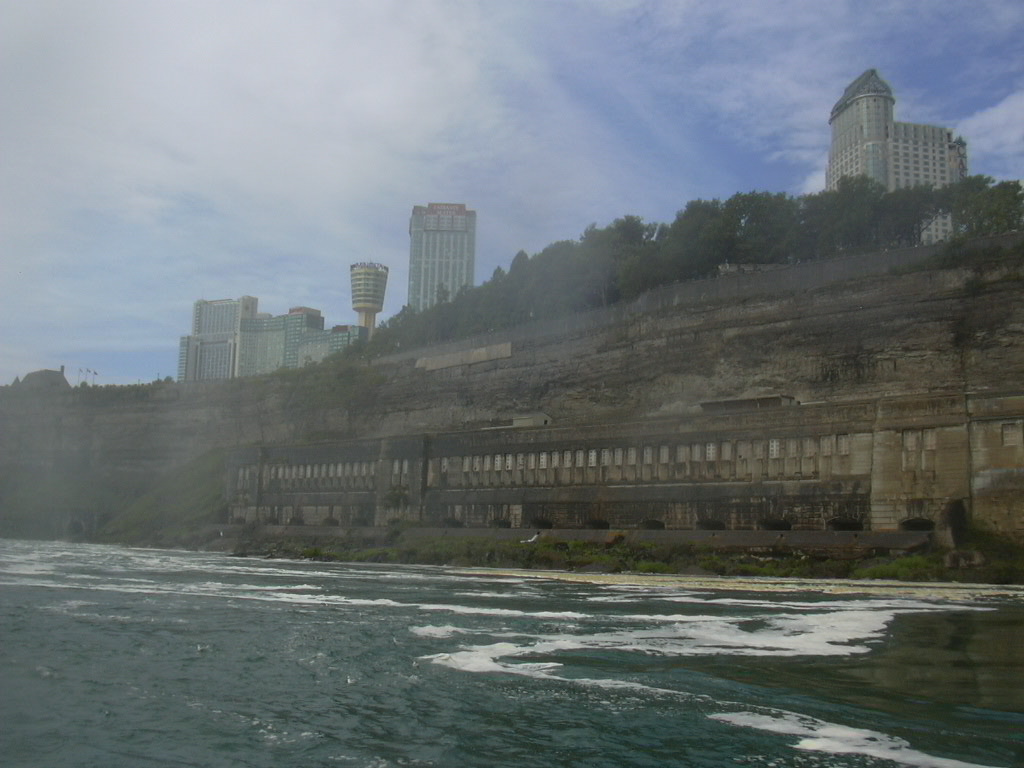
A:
[155, 153]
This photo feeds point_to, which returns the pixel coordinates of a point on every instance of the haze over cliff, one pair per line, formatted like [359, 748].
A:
[827, 331]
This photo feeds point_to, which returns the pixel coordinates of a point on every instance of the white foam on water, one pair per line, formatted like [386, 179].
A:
[484, 658]
[665, 618]
[840, 633]
[904, 605]
[298, 598]
[820, 736]
[432, 631]
[655, 584]
[490, 595]
[478, 610]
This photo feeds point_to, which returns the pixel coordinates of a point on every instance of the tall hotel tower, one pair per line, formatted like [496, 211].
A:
[442, 252]
[867, 142]
[212, 351]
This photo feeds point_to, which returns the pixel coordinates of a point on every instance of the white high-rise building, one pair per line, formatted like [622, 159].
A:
[866, 141]
[442, 252]
[212, 351]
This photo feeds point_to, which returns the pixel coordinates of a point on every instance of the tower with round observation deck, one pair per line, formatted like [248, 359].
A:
[369, 281]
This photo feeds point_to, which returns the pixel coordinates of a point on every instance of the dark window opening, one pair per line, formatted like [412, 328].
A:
[917, 524]
[710, 525]
[844, 524]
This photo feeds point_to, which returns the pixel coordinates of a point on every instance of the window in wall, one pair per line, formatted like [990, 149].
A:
[531, 461]
[543, 460]
[554, 459]
[631, 455]
[774, 448]
[567, 459]
[508, 462]
[843, 445]
[520, 461]
[579, 458]
[648, 454]
[617, 457]
[606, 457]
[663, 454]
[1011, 434]
[710, 451]
[827, 445]
[592, 457]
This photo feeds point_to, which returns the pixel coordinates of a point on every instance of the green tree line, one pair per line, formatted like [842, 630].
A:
[630, 256]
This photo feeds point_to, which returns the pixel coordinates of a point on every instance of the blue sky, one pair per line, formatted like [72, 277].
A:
[155, 153]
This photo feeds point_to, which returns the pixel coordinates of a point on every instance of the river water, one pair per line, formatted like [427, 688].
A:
[129, 657]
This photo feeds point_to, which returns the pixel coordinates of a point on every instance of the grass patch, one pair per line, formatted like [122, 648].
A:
[908, 568]
[175, 508]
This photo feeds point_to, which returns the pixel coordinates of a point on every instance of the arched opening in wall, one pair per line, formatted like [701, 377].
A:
[709, 524]
[652, 525]
[597, 523]
[774, 524]
[844, 524]
[954, 519]
[540, 522]
[917, 524]
[362, 516]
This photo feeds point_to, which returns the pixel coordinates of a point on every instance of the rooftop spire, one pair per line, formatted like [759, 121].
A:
[868, 84]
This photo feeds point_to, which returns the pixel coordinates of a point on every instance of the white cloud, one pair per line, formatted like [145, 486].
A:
[996, 145]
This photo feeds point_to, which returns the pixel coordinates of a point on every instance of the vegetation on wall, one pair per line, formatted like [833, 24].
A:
[999, 562]
[629, 256]
[175, 509]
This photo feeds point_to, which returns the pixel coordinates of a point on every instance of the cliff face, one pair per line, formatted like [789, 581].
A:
[874, 337]
[80, 453]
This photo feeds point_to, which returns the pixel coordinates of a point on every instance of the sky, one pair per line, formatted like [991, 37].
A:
[156, 153]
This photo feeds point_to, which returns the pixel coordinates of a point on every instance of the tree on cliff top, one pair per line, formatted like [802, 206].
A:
[631, 256]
